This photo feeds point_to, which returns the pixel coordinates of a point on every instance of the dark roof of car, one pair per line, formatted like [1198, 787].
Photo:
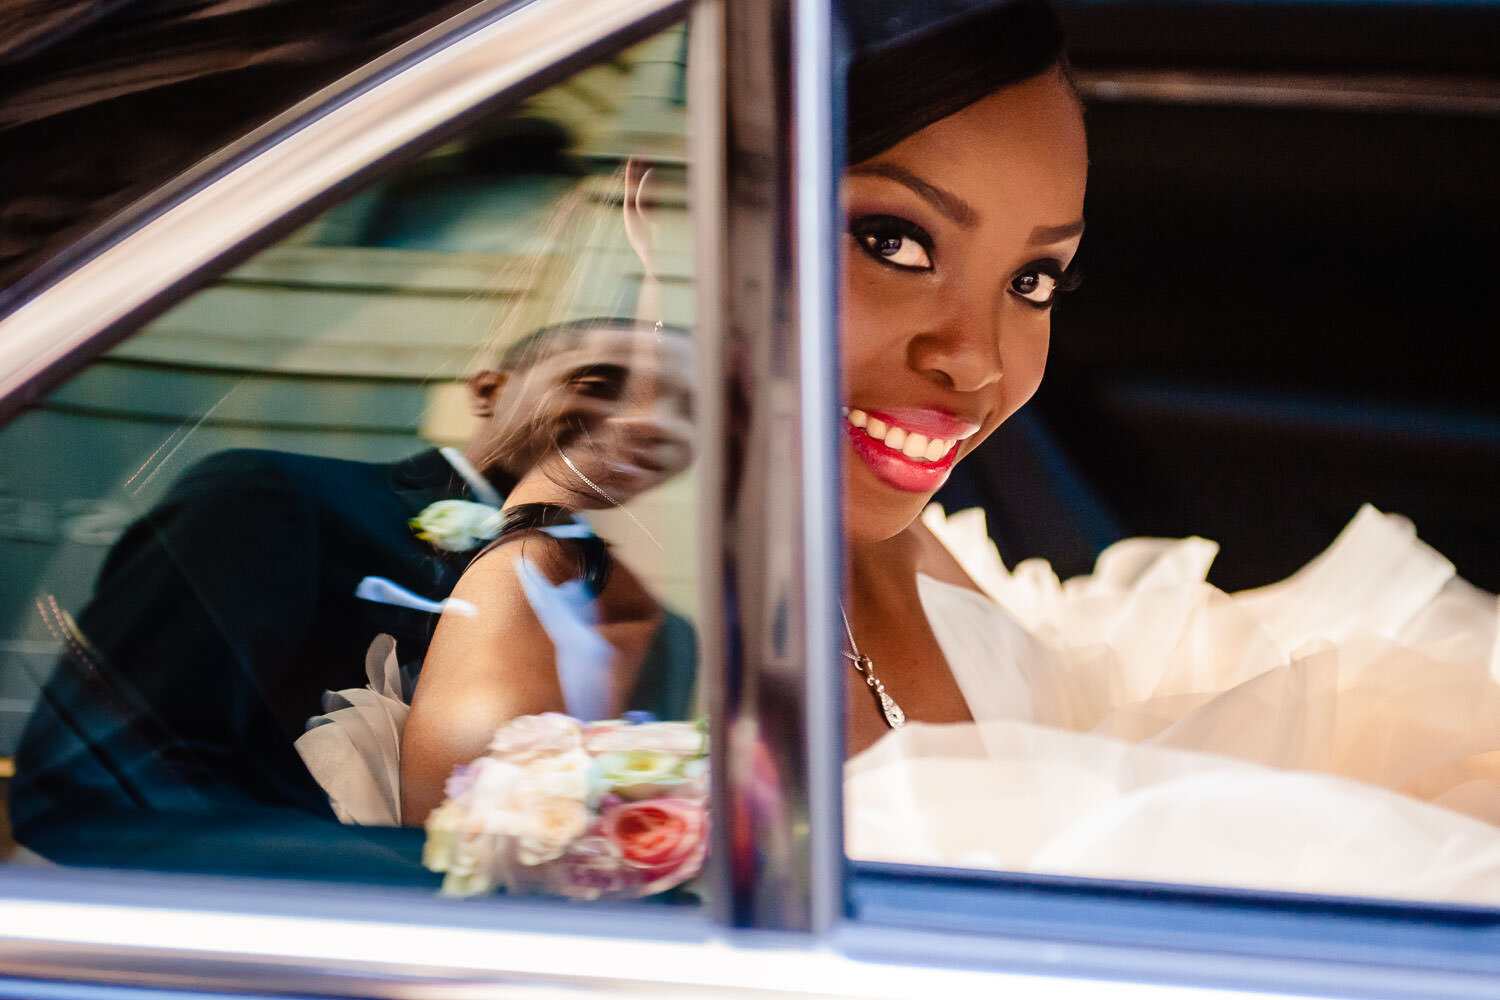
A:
[101, 102]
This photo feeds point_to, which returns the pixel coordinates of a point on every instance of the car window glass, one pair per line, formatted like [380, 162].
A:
[286, 560]
[1215, 606]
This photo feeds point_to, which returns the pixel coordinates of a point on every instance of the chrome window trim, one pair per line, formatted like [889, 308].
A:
[818, 158]
[708, 195]
[1281, 942]
[778, 772]
[343, 945]
[81, 310]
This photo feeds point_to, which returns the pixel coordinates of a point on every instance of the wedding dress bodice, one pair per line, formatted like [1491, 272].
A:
[1336, 732]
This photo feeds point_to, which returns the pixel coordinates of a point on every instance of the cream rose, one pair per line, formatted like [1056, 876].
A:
[570, 775]
[547, 827]
[638, 774]
[496, 786]
[457, 525]
[534, 737]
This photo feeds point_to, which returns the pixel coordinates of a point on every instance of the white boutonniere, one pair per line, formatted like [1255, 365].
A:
[457, 525]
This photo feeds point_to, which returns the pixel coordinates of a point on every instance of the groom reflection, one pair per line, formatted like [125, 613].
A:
[164, 738]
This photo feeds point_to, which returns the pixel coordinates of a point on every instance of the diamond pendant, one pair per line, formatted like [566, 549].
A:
[894, 717]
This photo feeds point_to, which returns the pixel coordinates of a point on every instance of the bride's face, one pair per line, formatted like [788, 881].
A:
[959, 237]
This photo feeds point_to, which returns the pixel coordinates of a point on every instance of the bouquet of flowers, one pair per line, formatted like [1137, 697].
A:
[597, 810]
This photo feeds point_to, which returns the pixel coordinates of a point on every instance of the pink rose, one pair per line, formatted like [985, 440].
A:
[664, 838]
[532, 737]
[591, 868]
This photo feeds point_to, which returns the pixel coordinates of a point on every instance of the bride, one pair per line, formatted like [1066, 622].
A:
[1337, 732]
[965, 208]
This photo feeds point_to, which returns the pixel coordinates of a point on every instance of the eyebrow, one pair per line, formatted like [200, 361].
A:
[1052, 234]
[945, 202]
[597, 368]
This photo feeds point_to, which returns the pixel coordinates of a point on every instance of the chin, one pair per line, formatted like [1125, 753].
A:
[873, 517]
[867, 530]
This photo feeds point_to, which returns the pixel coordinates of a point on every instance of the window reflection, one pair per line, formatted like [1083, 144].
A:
[1334, 732]
[449, 424]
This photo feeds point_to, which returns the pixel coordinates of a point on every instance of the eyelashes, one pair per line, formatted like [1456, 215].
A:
[902, 244]
[1040, 282]
[893, 241]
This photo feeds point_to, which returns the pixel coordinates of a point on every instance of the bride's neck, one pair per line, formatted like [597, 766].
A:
[538, 486]
[883, 570]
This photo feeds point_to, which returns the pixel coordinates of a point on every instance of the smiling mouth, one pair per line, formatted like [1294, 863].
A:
[902, 447]
[908, 443]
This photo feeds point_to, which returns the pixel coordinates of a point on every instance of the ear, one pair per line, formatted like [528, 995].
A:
[484, 388]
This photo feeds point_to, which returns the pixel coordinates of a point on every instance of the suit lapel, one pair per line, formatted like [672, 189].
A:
[426, 478]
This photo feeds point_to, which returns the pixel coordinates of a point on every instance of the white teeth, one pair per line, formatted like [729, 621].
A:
[917, 447]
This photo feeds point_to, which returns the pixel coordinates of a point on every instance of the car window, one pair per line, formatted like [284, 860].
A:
[1224, 613]
[284, 562]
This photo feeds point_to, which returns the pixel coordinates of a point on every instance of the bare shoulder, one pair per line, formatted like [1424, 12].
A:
[626, 598]
[490, 661]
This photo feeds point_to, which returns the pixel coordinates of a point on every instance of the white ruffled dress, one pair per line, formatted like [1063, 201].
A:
[1338, 732]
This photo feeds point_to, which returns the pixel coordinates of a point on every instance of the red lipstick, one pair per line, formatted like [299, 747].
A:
[894, 468]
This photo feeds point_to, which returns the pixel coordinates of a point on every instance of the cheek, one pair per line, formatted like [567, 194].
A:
[869, 324]
[1025, 358]
[1025, 363]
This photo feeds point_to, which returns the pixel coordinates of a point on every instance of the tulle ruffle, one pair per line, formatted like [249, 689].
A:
[353, 750]
[1140, 711]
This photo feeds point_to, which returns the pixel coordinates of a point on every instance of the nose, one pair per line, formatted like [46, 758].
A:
[650, 417]
[960, 348]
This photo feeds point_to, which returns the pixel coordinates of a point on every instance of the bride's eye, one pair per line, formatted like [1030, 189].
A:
[894, 241]
[1040, 282]
[1035, 287]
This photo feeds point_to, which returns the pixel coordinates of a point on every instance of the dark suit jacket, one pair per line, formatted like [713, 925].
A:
[164, 737]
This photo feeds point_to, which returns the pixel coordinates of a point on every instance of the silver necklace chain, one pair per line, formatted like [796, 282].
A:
[609, 499]
[894, 716]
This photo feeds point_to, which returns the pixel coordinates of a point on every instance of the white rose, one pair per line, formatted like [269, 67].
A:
[494, 788]
[566, 776]
[548, 826]
[457, 525]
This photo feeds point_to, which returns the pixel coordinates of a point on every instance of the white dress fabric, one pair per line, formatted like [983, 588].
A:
[353, 750]
[1338, 732]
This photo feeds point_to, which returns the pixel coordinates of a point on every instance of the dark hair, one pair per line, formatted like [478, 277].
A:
[545, 341]
[913, 63]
